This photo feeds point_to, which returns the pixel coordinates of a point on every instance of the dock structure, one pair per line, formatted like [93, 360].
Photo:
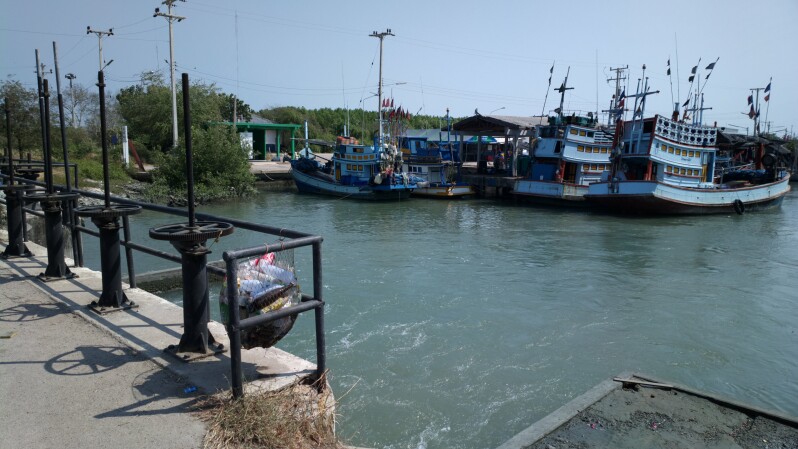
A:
[72, 378]
[633, 410]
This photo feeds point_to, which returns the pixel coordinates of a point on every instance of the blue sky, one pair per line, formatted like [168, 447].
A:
[464, 55]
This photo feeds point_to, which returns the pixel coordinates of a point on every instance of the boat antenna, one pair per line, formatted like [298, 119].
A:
[551, 73]
[563, 87]
[381, 37]
[617, 105]
[670, 78]
[678, 84]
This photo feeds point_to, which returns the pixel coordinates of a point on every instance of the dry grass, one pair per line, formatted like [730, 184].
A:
[298, 417]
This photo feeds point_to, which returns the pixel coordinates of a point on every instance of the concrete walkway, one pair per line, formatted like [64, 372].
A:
[70, 378]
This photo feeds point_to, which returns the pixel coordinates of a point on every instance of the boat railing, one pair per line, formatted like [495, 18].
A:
[289, 239]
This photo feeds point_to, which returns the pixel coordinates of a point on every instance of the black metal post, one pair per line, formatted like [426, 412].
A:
[72, 204]
[234, 330]
[321, 351]
[56, 267]
[16, 237]
[196, 341]
[106, 218]
[196, 306]
[51, 205]
[131, 270]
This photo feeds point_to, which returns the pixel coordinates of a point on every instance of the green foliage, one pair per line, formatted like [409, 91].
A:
[93, 169]
[23, 105]
[326, 123]
[243, 110]
[221, 168]
[147, 110]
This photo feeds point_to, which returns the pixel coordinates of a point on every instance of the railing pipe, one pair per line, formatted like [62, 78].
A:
[234, 329]
[131, 271]
[274, 315]
[318, 287]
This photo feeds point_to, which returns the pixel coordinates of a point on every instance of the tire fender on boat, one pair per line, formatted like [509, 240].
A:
[739, 206]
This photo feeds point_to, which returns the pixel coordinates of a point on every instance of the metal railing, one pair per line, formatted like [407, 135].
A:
[292, 239]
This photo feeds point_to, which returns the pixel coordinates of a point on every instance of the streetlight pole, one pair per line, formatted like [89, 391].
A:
[100, 35]
[171, 18]
[70, 77]
[380, 36]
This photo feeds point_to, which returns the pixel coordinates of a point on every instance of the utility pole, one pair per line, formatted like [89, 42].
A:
[100, 35]
[70, 77]
[171, 18]
[380, 36]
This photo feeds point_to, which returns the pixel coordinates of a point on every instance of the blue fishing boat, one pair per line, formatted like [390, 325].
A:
[356, 171]
[435, 167]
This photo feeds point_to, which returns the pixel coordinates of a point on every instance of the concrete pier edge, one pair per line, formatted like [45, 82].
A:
[156, 324]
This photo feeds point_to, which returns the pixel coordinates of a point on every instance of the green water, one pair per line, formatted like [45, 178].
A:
[458, 324]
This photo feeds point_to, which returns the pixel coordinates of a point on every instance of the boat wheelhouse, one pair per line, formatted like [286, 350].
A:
[665, 166]
[568, 154]
[435, 168]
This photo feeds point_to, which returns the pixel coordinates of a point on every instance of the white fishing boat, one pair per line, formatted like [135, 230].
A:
[567, 155]
[663, 165]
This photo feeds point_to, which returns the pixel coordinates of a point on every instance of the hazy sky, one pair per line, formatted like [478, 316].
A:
[459, 54]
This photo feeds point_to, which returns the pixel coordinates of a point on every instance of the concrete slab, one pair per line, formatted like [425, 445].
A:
[67, 384]
[118, 357]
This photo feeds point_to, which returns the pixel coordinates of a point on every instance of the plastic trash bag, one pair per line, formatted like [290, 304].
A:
[265, 284]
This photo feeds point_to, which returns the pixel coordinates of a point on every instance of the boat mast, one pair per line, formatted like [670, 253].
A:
[381, 36]
[563, 87]
[616, 111]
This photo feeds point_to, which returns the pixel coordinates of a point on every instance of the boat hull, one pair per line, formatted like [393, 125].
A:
[307, 183]
[444, 191]
[550, 193]
[655, 198]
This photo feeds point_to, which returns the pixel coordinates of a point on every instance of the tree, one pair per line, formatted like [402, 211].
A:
[23, 104]
[80, 103]
[221, 168]
[243, 110]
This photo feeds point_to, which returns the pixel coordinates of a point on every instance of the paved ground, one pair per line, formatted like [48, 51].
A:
[65, 383]
[70, 378]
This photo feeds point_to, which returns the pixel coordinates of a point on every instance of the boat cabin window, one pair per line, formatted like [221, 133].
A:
[590, 134]
[558, 147]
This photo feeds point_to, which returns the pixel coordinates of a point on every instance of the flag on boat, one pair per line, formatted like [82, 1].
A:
[767, 90]
[686, 103]
[694, 69]
[692, 77]
[669, 66]
[751, 113]
[711, 67]
[751, 100]
[551, 73]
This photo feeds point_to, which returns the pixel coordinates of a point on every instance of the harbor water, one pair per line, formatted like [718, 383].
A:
[458, 324]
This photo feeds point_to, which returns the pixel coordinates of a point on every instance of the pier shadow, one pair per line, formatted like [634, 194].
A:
[158, 392]
[88, 360]
[31, 312]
